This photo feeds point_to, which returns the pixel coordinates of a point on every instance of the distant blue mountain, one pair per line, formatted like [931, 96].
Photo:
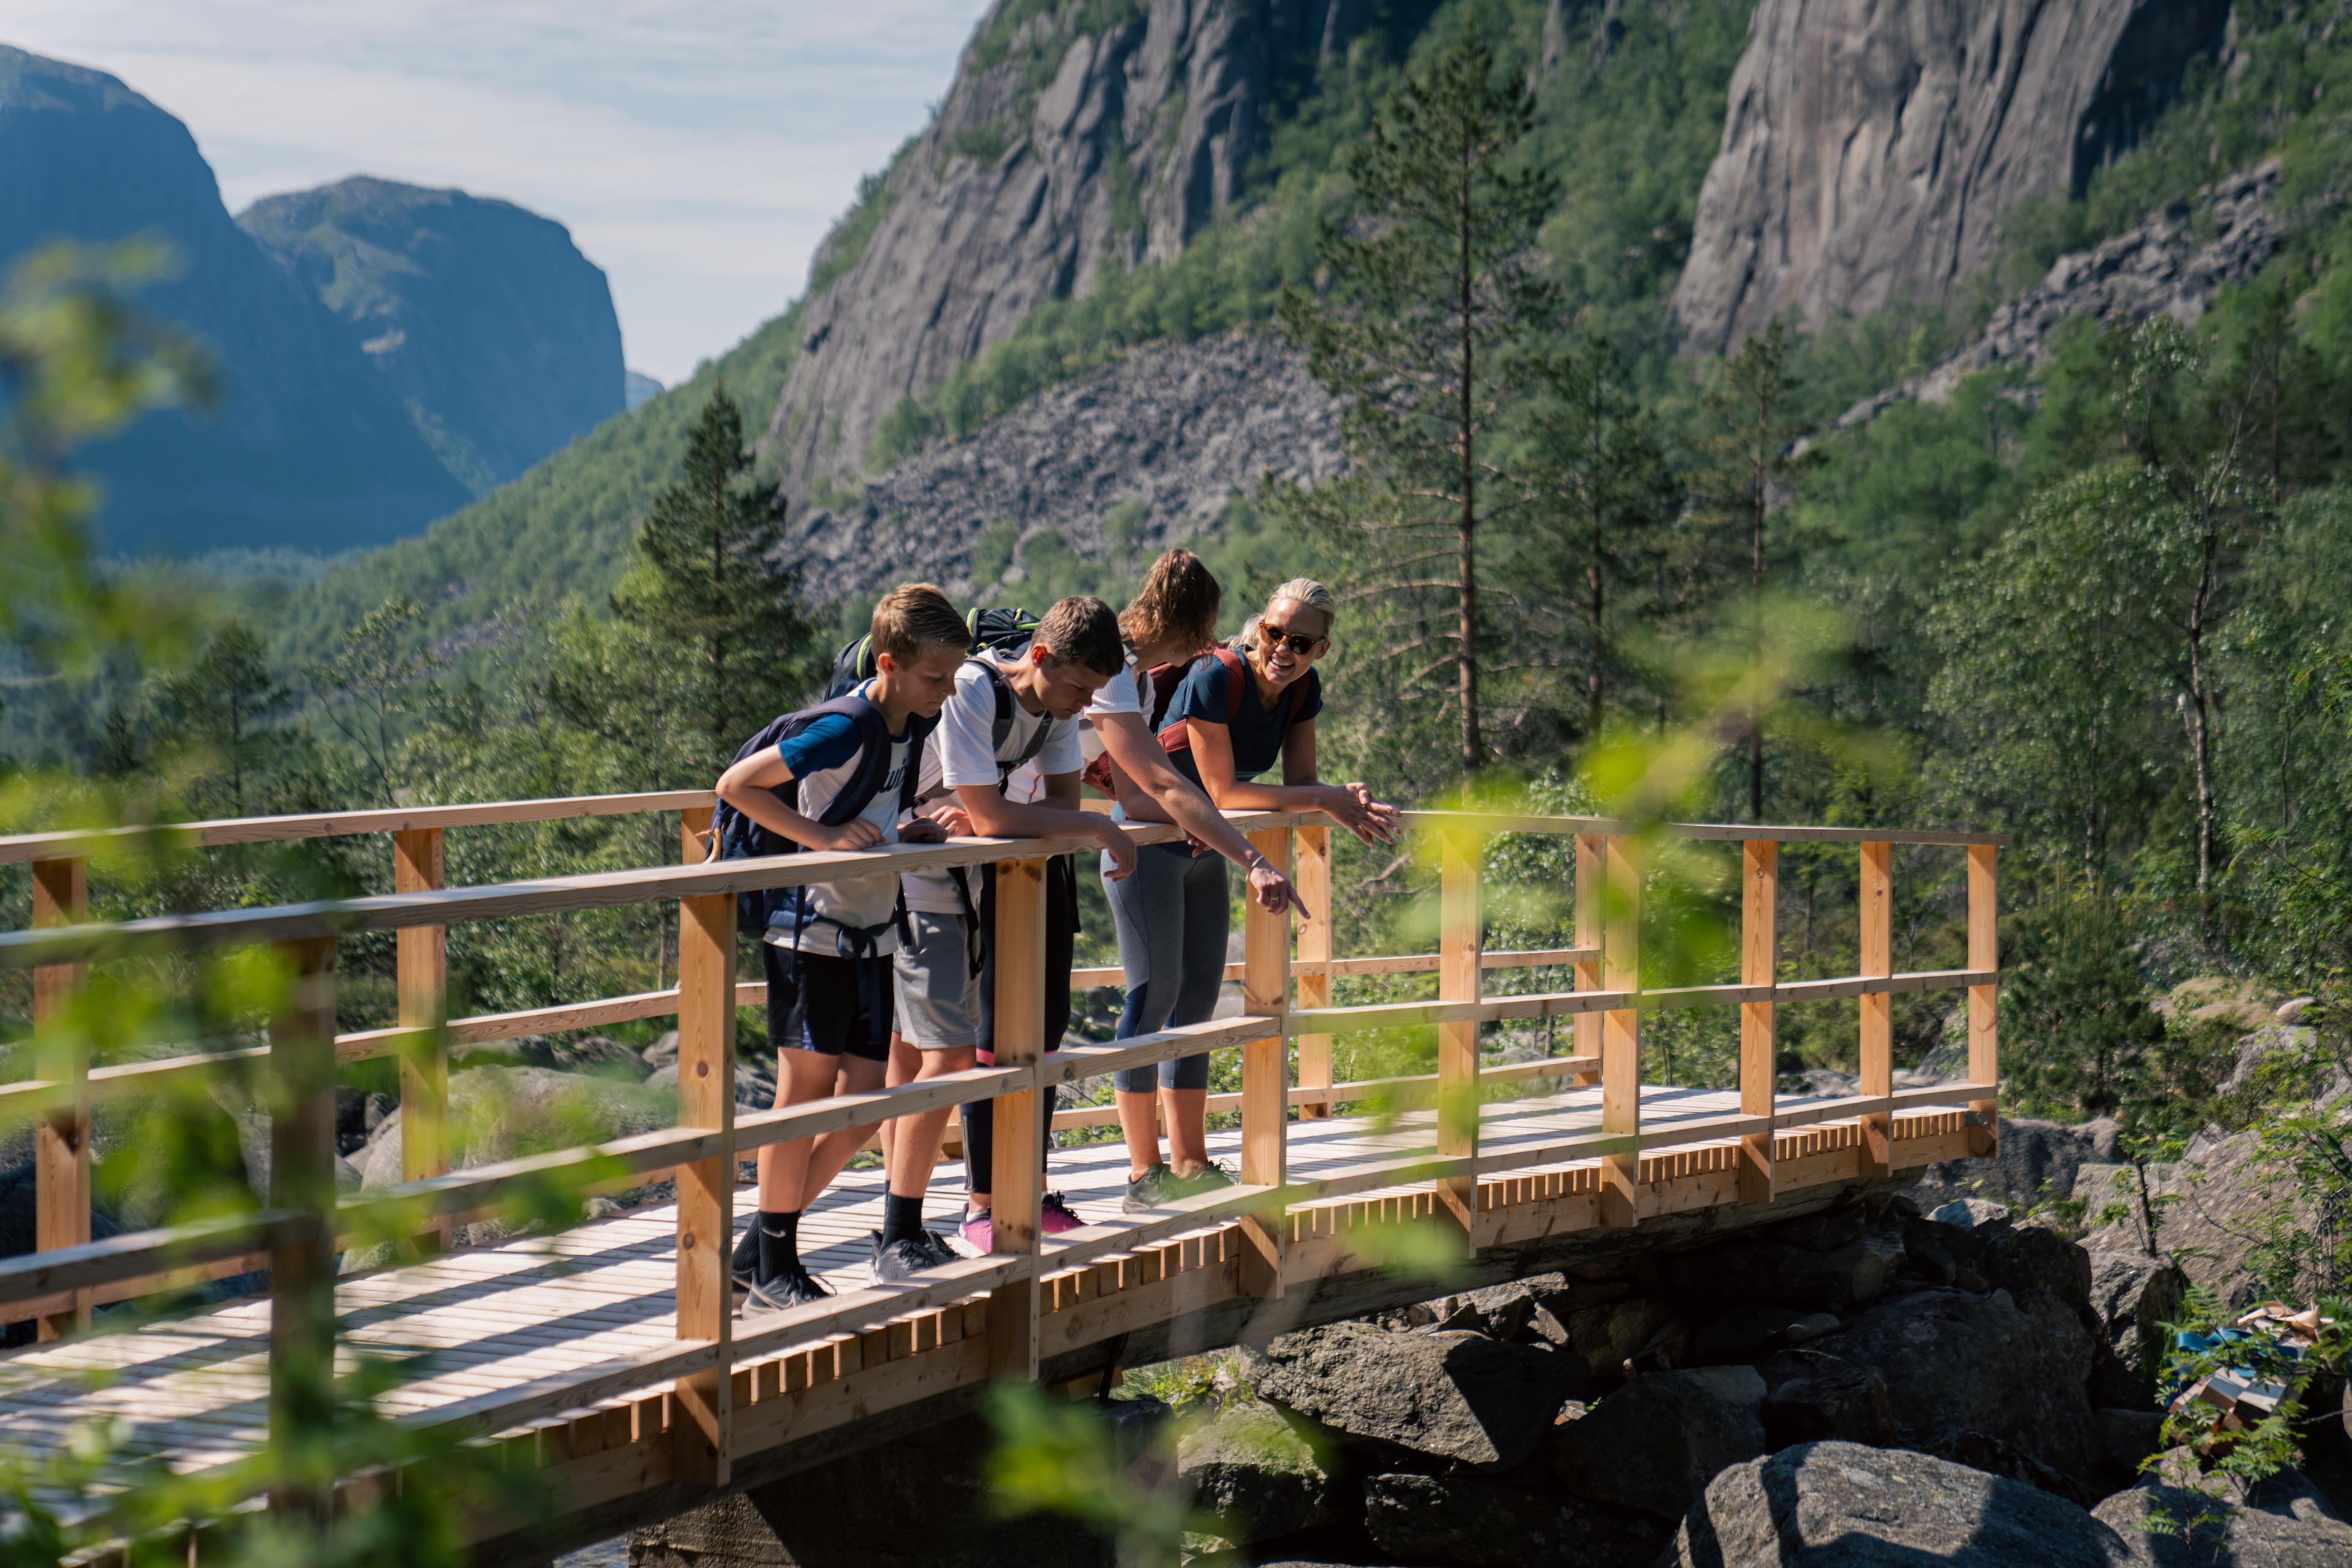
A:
[642, 387]
[384, 354]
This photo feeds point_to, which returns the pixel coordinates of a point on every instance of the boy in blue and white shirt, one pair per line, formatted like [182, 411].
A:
[839, 779]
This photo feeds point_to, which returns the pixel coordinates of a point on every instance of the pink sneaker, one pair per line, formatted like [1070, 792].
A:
[1053, 1216]
[979, 1231]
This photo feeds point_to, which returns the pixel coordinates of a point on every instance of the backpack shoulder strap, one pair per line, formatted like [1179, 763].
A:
[1003, 725]
[873, 755]
[1237, 680]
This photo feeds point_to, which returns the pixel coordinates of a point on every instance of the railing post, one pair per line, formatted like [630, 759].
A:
[1020, 960]
[1266, 991]
[1312, 877]
[1459, 948]
[1760, 861]
[61, 1137]
[1591, 857]
[701, 1438]
[1620, 1033]
[1877, 1054]
[421, 959]
[1984, 1001]
[301, 1099]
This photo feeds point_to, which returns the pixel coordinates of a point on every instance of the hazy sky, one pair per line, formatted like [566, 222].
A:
[697, 150]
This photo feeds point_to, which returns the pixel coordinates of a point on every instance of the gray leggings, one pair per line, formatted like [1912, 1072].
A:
[1171, 915]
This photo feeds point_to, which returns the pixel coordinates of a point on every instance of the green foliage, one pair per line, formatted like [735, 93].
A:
[1427, 341]
[2081, 1038]
[709, 638]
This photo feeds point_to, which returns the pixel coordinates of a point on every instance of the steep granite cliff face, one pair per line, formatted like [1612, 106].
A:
[1872, 146]
[1075, 136]
[493, 331]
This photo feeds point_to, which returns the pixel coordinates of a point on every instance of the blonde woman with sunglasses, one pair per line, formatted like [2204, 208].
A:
[1239, 711]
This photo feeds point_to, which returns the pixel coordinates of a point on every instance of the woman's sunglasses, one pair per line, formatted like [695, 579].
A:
[1296, 642]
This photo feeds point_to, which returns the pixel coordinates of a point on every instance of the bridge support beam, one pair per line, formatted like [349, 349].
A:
[1459, 971]
[1311, 875]
[1265, 1079]
[1016, 1182]
[421, 960]
[1984, 1001]
[1877, 1045]
[1591, 872]
[706, 1098]
[302, 1100]
[1759, 873]
[61, 1136]
[1620, 1032]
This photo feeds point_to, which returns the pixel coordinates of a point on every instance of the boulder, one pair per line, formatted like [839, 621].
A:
[1840, 1505]
[1257, 1473]
[1655, 1444]
[1767, 1268]
[1744, 1333]
[498, 1112]
[1971, 1214]
[2036, 1162]
[1457, 1396]
[2033, 1256]
[2126, 1437]
[2281, 1523]
[2133, 1295]
[1811, 1396]
[1981, 1379]
[2217, 1203]
[1484, 1521]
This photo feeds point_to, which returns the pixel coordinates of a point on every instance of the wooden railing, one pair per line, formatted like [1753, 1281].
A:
[303, 1222]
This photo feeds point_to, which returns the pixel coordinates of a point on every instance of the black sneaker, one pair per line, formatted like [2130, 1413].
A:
[896, 1262]
[796, 1288]
[746, 1259]
[1207, 1179]
[935, 1246]
[1151, 1190]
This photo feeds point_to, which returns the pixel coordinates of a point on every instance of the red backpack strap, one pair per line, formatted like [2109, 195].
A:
[1237, 681]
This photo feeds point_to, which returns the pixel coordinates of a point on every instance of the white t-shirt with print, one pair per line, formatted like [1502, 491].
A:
[962, 751]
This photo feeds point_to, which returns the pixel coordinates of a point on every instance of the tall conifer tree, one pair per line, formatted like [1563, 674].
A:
[1440, 288]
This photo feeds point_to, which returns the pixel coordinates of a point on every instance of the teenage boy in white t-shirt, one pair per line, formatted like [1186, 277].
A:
[1005, 714]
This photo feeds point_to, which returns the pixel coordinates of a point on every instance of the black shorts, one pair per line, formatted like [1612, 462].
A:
[839, 1006]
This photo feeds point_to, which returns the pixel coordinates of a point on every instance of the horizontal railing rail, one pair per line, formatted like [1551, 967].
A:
[1289, 1014]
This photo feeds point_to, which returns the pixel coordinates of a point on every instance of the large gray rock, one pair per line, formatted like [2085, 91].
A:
[1811, 1395]
[2282, 1523]
[2036, 1163]
[1173, 429]
[1839, 1505]
[1871, 148]
[1070, 143]
[1981, 1380]
[2133, 1295]
[1655, 1443]
[1255, 1473]
[1457, 1396]
[1482, 1521]
[1781, 1273]
[2214, 1205]
[497, 1113]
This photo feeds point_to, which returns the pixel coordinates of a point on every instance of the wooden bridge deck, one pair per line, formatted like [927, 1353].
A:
[469, 1324]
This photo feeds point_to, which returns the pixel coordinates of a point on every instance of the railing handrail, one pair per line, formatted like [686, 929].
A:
[19, 848]
[162, 934]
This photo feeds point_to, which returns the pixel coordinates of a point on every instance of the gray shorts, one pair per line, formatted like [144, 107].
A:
[937, 994]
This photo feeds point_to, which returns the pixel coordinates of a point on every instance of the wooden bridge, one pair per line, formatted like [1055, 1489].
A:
[604, 1360]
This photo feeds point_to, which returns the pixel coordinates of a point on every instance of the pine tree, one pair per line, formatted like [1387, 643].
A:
[1749, 465]
[708, 639]
[223, 708]
[1600, 500]
[1440, 291]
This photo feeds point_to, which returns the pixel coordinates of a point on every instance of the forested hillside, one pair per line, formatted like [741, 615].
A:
[2082, 577]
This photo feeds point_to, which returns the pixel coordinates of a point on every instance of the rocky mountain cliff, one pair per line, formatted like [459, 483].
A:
[486, 321]
[1872, 146]
[315, 441]
[1074, 137]
[1177, 430]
